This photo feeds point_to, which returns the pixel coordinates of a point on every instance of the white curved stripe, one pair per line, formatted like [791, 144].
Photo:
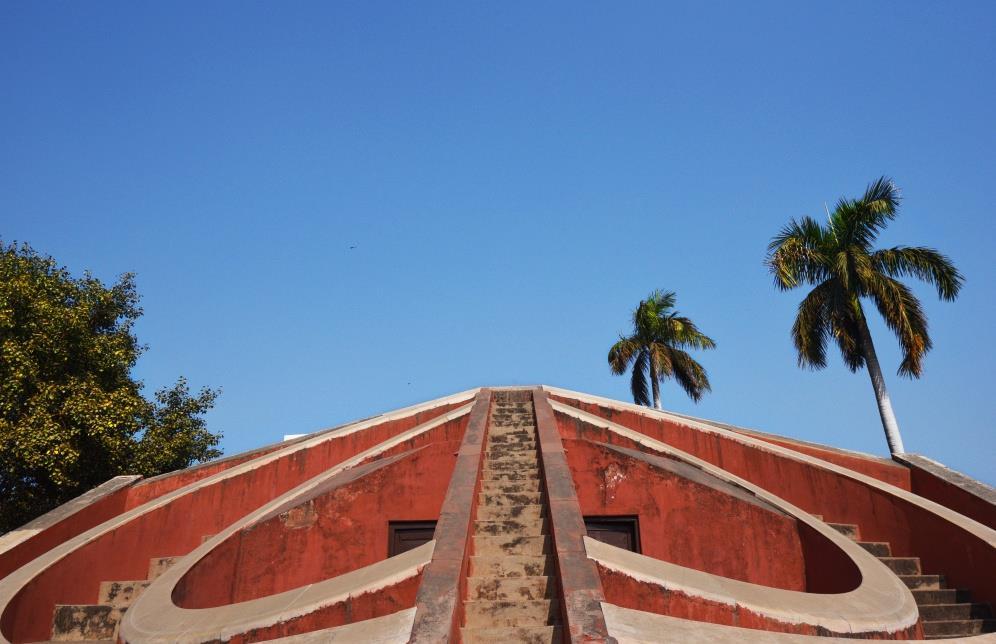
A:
[395, 628]
[880, 603]
[13, 583]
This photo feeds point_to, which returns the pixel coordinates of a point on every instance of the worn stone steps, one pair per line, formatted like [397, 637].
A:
[958, 628]
[518, 634]
[510, 565]
[847, 529]
[944, 612]
[491, 499]
[509, 588]
[512, 545]
[486, 613]
[511, 475]
[923, 582]
[511, 527]
[497, 512]
[877, 548]
[510, 487]
[99, 621]
[902, 565]
[121, 594]
[942, 596]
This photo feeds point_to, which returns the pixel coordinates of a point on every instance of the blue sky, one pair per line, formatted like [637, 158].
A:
[514, 178]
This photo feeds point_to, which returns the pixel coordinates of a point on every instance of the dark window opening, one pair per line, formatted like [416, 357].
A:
[403, 536]
[621, 532]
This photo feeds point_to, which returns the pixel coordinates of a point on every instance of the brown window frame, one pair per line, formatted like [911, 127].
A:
[630, 521]
[394, 528]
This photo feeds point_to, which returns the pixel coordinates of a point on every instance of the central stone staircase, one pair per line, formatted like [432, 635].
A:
[511, 581]
[944, 612]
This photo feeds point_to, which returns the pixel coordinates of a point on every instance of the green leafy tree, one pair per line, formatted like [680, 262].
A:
[839, 262]
[71, 414]
[656, 351]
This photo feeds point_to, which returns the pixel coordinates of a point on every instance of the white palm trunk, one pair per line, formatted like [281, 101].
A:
[655, 382]
[889, 422]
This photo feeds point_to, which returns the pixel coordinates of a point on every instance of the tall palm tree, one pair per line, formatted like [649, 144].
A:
[839, 261]
[656, 350]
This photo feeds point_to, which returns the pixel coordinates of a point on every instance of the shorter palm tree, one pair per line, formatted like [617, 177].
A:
[656, 351]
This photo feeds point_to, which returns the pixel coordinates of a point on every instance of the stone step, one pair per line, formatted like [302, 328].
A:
[877, 548]
[514, 512]
[121, 594]
[489, 474]
[488, 499]
[846, 529]
[529, 464]
[952, 612]
[525, 486]
[486, 613]
[505, 545]
[958, 628]
[509, 588]
[159, 565]
[510, 566]
[518, 634]
[944, 596]
[903, 565]
[513, 440]
[74, 623]
[511, 528]
[923, 582]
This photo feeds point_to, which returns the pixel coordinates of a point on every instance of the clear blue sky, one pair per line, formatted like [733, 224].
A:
[514, 179]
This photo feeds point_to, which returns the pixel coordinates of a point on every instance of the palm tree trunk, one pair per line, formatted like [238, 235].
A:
[655, 383]
[889, 422]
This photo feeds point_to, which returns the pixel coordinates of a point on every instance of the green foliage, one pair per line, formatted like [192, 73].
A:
[71, 414]
[838, 259]
[656, 350]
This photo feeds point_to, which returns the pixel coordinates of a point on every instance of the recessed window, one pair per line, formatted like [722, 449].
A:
[406, 535]
[621, 532]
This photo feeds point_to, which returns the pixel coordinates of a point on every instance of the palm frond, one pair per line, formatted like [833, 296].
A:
[845, 315]
[685, 334]
[796, 254]
[925, 264]
[859, 221]
[904, 315]
[621, 354]
[690, 374]
[812, 326]
[639, 386]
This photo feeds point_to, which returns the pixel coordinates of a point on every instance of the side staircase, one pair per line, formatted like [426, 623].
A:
[944, 612]
[99, 622]
[512, 577]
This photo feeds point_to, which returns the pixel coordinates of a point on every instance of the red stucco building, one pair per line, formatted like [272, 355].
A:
[504, 514]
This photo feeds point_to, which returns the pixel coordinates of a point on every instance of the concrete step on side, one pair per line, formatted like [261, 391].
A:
[951, 612]
[505, 499]
[515, 512]
[518, 634]
[877, 548]
[510, 566]
[525, 486]
[486, 613]
[847, 529]
[505, 545]
[509, 588]
[902, 565]
[511, 528]
[958, 628]
[923, 582]
[944, 596]
[121, 594]
[159, 565]
[75, 623]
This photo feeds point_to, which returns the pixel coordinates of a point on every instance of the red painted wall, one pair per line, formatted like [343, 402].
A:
[951, 496]
[944, 548]
[339, 531]
[178, 527]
